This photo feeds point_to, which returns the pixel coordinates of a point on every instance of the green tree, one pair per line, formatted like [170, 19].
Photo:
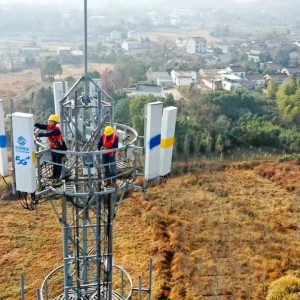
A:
[122, 112]
[207, 142]
[49, 68]
[218, 51]
[70, 80]
[288, 100]
[169, 100]
[111, 56]
[219, 147]
[128, 70]
[240, 58]
[264, 57]
[271, 90]
[137, 111]
[252, 67]
[282, 57]
[43, 101]
[94, 74]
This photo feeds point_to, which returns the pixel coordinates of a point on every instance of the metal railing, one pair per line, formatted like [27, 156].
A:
[53, 285]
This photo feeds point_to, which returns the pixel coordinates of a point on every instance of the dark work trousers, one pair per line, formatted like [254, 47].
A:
[110, 170]
[56, 159]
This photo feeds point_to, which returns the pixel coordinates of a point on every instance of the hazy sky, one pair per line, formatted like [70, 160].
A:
[54, 2]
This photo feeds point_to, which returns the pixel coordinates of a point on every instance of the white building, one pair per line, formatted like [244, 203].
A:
[116, 35]
[129, 45]
[254, 56]
[230, 82]
[196, 45]
[136, 45]
[160, 78]
[238, 71]
[183, 78]
[64, 51]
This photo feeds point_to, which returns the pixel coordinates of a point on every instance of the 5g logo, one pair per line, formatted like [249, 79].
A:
[21, 161]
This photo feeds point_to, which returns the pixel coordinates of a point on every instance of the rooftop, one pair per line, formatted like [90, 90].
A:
[232, 77]
[255, 77]
[158, 75]
[185, 73]
[237, 68]
[150, 88]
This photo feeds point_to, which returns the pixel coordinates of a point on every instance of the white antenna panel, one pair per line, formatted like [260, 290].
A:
[153, 120]
[60, 88]
[3, 144]
[93, 90]
[24, 154]
[167, 139]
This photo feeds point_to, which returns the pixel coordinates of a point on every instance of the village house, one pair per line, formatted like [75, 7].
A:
[211, 78]
[291, 71]
[230, 82]
[256, 81]
[238, 71]
[67, 55]
[31, 55]
[14, 63]
[254, 56]
[160, 78]
[230, 78]
[136, 46]
[146, 89]
[271, 68]
[183, 78]
[276, 78]
[196, 45]
[47, 55]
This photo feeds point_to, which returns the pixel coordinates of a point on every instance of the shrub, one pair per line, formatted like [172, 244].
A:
[284, 288]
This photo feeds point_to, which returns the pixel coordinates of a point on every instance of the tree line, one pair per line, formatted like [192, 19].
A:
[210, 123]
[213, 122]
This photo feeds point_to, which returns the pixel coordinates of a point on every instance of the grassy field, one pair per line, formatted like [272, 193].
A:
[20, 85]
[173, 33]
[225, 231]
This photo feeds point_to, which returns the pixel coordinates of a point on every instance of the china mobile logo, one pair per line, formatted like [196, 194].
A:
[21, 140]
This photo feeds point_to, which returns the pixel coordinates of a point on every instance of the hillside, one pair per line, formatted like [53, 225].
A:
[223, 232]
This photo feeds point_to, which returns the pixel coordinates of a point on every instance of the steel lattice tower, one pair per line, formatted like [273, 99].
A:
[84, 207]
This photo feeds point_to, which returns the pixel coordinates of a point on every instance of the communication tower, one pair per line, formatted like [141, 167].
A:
[84, 206]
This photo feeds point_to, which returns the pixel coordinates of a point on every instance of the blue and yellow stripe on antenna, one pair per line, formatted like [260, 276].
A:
[167, 143]
[3, 141]
[155, 141]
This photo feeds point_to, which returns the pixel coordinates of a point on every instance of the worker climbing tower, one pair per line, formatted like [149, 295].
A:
[83, 204]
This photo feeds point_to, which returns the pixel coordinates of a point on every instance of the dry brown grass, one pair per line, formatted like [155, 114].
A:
[159, 34]
[221, 234]
[212, 234]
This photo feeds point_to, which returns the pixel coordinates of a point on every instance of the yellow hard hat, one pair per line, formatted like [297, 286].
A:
[108, 130]
[53, 118]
